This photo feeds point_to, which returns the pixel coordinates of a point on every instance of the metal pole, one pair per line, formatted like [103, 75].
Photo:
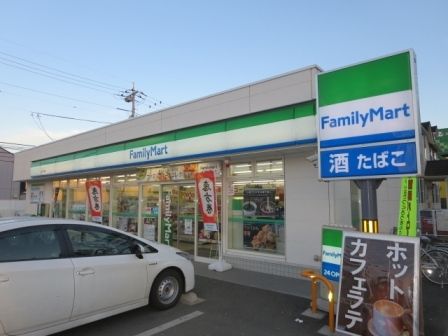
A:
[133, 100]
[369, 206]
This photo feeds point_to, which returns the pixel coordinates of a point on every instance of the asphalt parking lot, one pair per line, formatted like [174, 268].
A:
[229, 308]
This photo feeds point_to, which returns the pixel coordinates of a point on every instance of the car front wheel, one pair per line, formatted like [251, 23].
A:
[166, 290]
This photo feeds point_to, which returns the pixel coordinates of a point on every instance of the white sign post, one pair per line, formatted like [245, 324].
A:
[369, 126]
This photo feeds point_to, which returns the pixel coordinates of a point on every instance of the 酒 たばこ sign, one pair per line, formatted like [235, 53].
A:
[368, 119]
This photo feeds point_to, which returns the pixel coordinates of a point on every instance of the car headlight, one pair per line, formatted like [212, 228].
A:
[185, 255]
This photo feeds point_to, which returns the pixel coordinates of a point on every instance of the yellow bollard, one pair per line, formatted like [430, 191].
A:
[314, 277]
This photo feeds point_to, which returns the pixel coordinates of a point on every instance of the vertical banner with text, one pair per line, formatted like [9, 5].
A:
[407, 216]
[205, 187]
[95, 205]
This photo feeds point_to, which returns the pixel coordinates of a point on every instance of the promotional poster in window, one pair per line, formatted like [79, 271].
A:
[259, 212]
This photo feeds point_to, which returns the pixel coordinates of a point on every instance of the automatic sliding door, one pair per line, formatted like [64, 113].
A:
[149, 211]
[186, 218]
[178, 216]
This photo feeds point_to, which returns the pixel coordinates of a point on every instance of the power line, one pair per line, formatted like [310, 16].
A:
[83, 78]
[56, 95]
[70, 78]
[14, 146]
[50, 75]
[67, 75]
[76, 108]
[38, 114]
[39, 124]
[61, 59]
[14, 143]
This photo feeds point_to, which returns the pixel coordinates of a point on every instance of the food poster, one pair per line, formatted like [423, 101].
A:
[259, 232]
[379, 289]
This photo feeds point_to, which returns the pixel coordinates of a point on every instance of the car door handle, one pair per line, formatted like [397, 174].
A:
[4, 278]
[86, 271]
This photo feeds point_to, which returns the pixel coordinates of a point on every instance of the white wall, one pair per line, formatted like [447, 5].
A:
[340, 203]
[307, 210]
[9, 208]
[388, 198]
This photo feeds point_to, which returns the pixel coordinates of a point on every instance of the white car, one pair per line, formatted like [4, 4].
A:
[57, 274]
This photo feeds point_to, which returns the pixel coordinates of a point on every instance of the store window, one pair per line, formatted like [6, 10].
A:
[59, 199]
[257, 207]
[125, 203]
[76, 199]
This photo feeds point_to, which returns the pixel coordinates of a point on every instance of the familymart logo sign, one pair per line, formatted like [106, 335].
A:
[368, 120]
[331, 253]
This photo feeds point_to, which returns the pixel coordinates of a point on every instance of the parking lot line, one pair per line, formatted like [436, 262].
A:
[171, 324]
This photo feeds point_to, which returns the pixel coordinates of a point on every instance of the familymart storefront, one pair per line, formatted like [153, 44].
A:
[147, 186]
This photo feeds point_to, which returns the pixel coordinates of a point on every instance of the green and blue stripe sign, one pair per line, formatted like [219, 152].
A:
[368, 119]
[278, 128]
[331, 253]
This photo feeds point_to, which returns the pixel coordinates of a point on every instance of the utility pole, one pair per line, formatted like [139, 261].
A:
[132, 96]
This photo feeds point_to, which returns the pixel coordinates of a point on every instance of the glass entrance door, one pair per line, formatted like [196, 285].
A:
[149, 211]
[178, 217]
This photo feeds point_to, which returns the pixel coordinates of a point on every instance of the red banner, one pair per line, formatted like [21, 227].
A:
[205, 187]
[94, 195]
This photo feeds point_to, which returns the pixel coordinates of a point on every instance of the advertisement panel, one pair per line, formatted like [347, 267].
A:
[94, 196]
[379, 288]
[368, 119]
[259, 229]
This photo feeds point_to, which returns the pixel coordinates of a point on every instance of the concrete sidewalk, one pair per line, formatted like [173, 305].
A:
[434, 297]
[285, 285]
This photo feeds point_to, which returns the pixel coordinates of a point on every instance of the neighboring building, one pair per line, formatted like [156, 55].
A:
[260, 139]
[434, 185]
[8, 189]
[441, 139]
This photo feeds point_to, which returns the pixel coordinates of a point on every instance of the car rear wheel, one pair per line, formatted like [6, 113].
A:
[166, 290]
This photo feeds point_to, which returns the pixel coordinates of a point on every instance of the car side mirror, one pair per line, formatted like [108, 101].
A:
[137, 250]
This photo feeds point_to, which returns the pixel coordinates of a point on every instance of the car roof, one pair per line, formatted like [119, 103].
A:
[8, 223]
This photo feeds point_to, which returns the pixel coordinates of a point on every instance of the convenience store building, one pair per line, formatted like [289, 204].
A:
[259, 139]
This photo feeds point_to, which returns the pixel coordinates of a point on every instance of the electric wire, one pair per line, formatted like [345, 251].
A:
[56, 95]
[65, 73]
[64, 76]
[27, 68]
[38, 114]
[39, 124]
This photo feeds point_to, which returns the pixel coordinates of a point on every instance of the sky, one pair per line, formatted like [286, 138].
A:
[75, 58]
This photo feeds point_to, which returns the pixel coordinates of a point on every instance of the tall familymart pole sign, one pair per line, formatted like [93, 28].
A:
[368, 119]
